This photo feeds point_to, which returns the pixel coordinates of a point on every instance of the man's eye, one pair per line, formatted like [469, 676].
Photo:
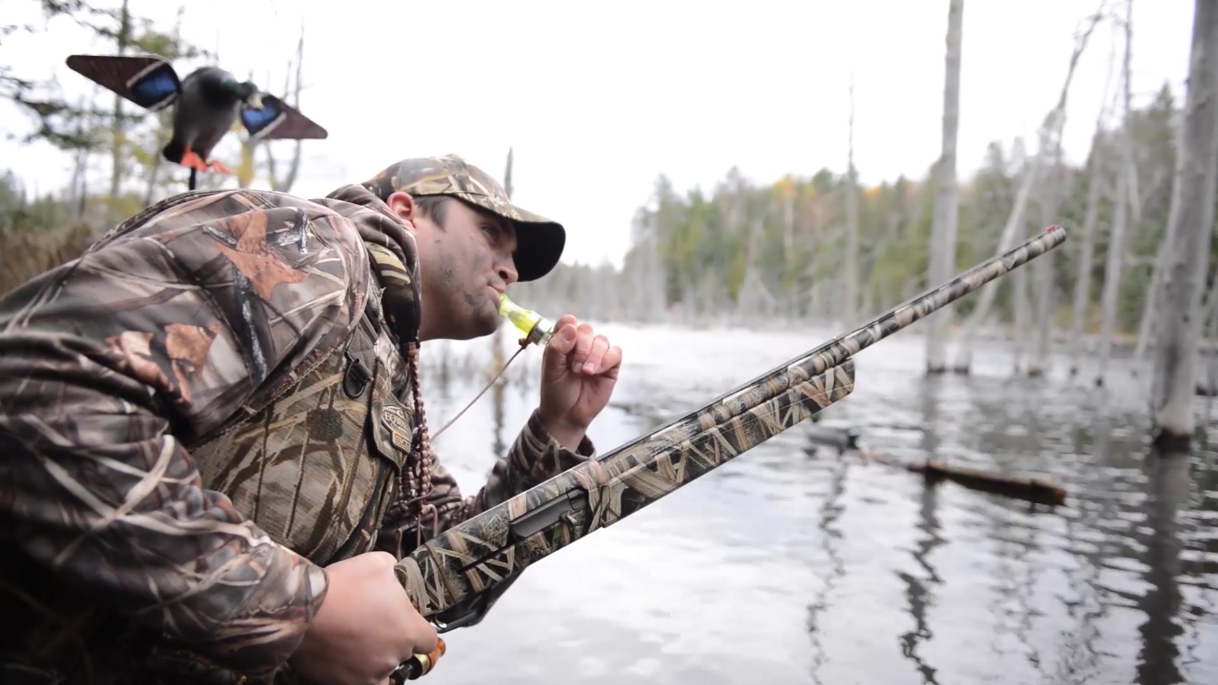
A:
[491, 230]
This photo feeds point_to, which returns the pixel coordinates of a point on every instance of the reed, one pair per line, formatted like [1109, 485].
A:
[25, 254]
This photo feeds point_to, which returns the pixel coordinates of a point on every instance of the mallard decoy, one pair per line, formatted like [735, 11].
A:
[206, 104]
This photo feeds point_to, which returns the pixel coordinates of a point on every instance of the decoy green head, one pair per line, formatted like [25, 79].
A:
[246, 92]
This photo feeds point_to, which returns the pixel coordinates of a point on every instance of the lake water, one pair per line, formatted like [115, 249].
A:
[791, 564]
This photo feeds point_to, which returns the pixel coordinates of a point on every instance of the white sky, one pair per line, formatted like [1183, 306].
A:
[599, 99]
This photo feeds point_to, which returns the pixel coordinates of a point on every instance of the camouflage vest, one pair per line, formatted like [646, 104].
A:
[317, 467]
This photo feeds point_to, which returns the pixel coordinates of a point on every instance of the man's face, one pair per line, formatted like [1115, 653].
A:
[465, 263]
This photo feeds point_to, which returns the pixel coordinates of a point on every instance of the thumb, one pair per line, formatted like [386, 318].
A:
[560, 345]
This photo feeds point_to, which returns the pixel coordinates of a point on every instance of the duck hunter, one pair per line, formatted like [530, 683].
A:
[214, 440]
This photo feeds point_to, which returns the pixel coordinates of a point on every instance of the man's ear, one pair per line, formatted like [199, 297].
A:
[403, 205]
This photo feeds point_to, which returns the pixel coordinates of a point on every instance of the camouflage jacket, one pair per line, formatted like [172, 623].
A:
[180, 457]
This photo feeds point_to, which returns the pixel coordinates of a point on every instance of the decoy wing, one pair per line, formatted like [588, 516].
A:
[279, 120]
[149, 82]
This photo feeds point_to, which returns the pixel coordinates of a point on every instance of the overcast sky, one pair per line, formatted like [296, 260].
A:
[598, 99]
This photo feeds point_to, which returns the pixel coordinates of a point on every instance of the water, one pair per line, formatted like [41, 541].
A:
[792, 565]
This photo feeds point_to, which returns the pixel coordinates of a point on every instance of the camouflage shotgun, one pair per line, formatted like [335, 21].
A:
[454, 578]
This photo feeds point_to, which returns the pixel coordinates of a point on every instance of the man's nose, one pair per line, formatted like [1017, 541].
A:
[508, 272]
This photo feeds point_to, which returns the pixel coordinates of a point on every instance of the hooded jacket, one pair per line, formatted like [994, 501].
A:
[184, 444]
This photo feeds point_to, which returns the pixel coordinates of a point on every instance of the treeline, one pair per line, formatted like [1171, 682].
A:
[745, 249]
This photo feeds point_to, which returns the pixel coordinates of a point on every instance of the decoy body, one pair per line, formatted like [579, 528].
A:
[206, 105]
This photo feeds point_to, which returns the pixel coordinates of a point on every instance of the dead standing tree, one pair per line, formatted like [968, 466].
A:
[1049, 148]
[1176, 355]
[285, 182]
[947, 198]
[851, 309]
[497, 338]
[1046, 294]
[1095, 179]
[118, 128]
[293, 84]
[1121, 202]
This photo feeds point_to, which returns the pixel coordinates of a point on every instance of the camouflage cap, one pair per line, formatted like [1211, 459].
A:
[540, 241]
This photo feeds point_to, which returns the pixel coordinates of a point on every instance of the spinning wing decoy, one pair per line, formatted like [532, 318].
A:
[206, 105]
[277, 120]
[149, 82]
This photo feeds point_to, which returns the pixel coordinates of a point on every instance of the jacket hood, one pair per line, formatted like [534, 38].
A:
[394, 257]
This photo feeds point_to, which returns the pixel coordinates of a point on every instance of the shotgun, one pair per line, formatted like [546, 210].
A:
[455, 578]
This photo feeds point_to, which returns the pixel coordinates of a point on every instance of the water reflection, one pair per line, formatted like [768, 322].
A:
[795, 566]
[1083, 603]
[918, 593]
[1168, 487]
[498, 446]
[830, 536]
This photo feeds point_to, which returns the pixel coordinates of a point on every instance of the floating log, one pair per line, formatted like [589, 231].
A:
[1036, 490]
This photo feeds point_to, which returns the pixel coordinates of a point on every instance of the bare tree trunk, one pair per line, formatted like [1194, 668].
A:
[80, 174]
[1096, 172]
[793, 294]
[1019, 287]
[754, 302]
[943, 231]
[1211, 379]
[1082, 285]
[1048, 146]
[497, 338]
[1155, 299]
[852, 228]
[164, 120]
[117, 129]
[1112, 273]
[154, 172]
[1196, 175]
[1047, 290]
[964, 356]
[1116, 240]
[284, 184]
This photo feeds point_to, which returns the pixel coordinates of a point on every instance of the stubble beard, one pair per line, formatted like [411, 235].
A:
[486, 319]
[483, 316]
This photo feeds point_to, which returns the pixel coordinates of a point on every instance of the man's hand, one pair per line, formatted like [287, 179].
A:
[365, 627]
[578, 373]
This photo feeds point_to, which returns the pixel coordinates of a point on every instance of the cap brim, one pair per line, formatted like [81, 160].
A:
[539, 241]
[539, 246]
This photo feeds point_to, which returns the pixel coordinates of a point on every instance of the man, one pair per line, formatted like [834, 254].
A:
[212, 442]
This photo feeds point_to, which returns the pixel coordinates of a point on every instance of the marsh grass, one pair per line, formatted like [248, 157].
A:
[26, 254]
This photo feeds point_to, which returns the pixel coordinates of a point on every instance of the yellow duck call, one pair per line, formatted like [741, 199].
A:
[535, 328]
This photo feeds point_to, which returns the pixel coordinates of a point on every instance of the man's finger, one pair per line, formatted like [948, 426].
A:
[593, 364]
[611, 363]
[583, 345]
[423, 635]
[563, 341]
[416, 634]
